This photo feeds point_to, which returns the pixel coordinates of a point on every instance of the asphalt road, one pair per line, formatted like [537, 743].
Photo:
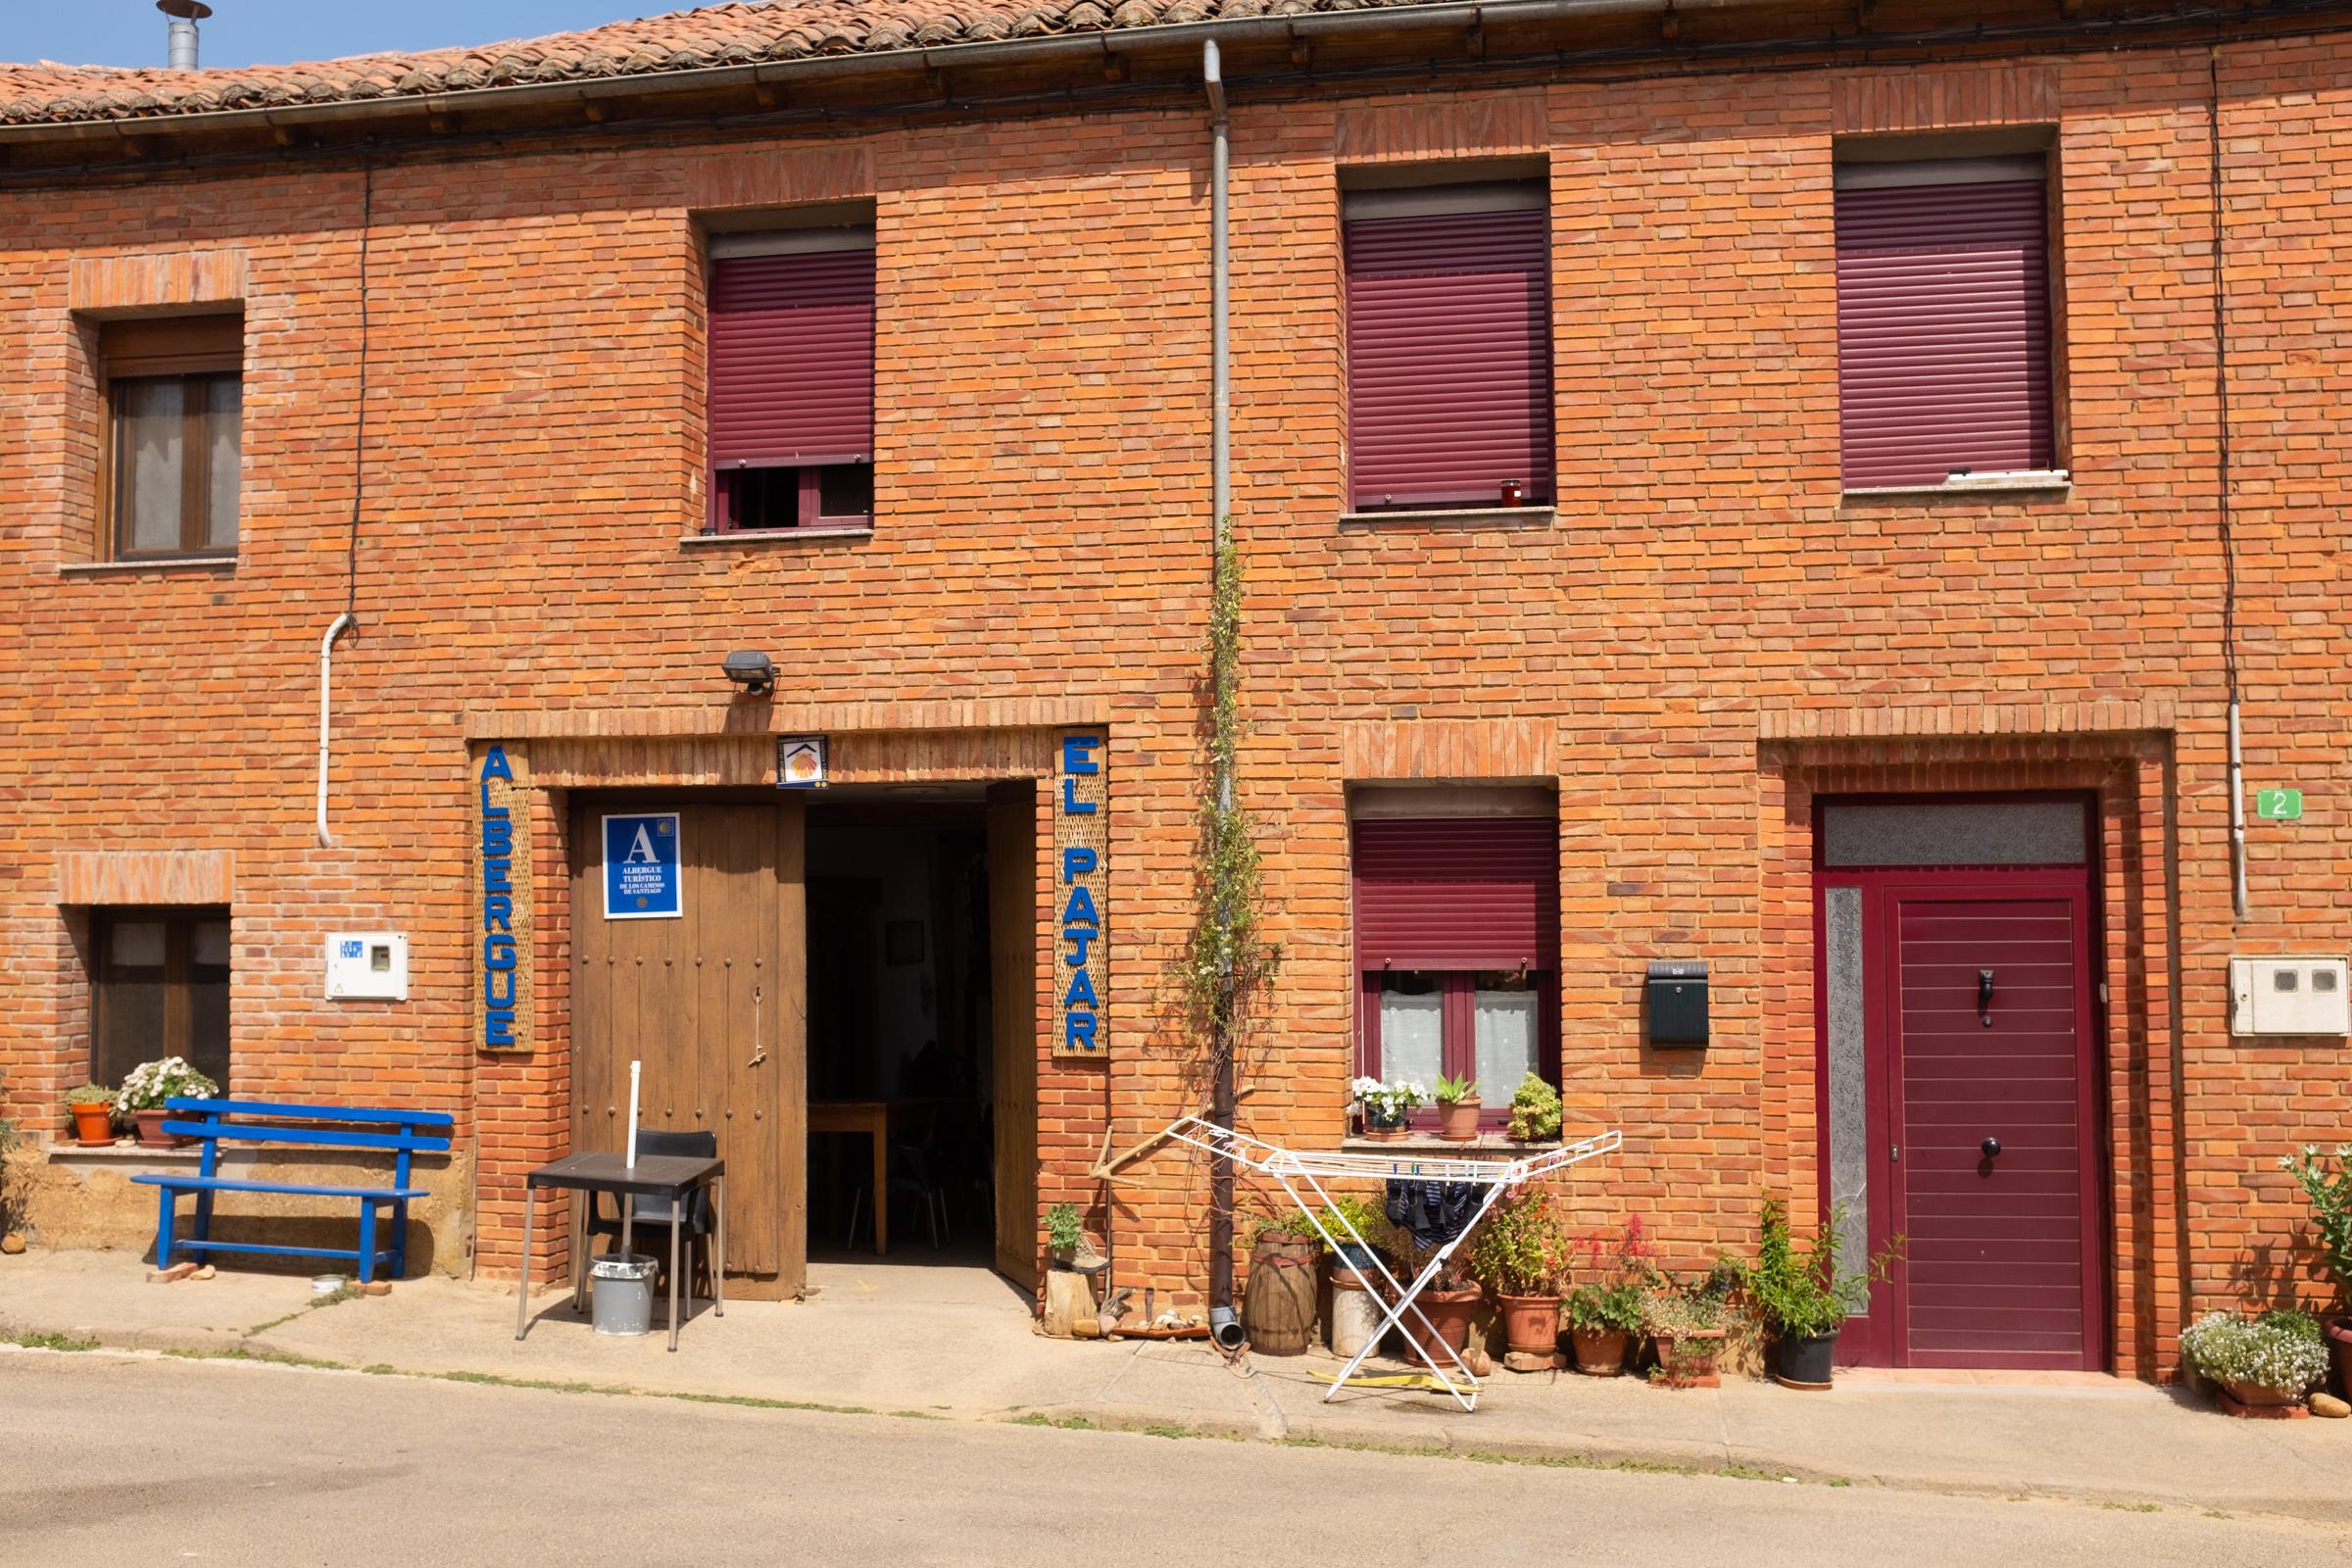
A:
[114, 1459]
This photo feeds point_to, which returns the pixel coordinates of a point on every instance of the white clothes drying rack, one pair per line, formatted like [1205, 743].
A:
[1289, 1166]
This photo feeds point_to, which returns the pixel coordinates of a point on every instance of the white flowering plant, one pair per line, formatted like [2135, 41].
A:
[2280, 1355]
[151, 1082]
[1386, 1101]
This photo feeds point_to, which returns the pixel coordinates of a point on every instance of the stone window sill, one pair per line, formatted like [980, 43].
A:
[100, 568]
[2028, 482]
[1459, 517]
[125, 1151]
[775, 536]
[1484, 1146]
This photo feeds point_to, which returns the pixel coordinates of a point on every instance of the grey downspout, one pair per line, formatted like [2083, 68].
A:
[1223, 1327]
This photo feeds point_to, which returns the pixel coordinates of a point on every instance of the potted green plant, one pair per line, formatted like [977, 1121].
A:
[1685, 1322]
[1605, 1311]
[1804, 1295]
[1520, 1253]
[2327, 1182]
[1535, 1111]
[1457, 1108]
[150, 1084]
[93, 1108]
[2262, 1364]
[1387, 1102]
[1450, 1301]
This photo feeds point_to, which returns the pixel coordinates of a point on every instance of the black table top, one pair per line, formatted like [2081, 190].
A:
[654, 1175]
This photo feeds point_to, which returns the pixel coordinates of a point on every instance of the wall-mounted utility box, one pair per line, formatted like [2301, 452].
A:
[370, 965]
[2289, 997]
[1677, 1003]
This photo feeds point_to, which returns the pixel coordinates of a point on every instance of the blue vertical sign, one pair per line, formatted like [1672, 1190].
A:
[498, 908]
[1081, 910]
[641, 867]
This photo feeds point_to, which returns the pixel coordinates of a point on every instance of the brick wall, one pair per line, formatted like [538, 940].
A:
[1702, 636]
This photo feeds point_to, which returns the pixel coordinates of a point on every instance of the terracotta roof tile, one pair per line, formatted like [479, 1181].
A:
[684, 40]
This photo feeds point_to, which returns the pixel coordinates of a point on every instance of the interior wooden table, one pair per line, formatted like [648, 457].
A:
[872, 1118]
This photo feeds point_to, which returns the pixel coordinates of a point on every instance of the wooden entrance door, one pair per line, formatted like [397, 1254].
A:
[1012, 1023]
[712, 1004]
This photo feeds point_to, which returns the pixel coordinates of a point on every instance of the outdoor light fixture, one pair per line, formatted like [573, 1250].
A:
[756, 673]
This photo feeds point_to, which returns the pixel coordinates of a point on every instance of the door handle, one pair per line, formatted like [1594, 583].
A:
[1985, 998]
[1991, 1148]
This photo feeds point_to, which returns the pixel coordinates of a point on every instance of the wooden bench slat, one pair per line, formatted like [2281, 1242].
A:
[270, 1108]
[320, 1137]
[227, 1184]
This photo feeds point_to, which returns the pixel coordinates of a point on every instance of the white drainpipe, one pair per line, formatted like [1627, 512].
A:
[326, 667]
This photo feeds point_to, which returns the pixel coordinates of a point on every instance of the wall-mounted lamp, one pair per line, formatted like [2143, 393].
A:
[756, 673]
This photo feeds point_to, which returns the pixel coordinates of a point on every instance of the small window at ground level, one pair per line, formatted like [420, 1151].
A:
[160, 987]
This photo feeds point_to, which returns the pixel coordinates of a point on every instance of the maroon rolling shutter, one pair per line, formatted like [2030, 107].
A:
[1448, 358]
[1457, 893]
[1944, 331]
[792, 359]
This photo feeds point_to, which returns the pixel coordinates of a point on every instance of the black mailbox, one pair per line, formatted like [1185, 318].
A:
[1678, 1004]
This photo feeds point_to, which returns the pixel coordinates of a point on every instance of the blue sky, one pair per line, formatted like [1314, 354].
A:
[244, 32]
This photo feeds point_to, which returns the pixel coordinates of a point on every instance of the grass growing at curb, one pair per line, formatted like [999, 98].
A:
[54, 1342]
[341, 1293]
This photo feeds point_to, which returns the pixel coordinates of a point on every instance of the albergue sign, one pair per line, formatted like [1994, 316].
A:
[501, 999]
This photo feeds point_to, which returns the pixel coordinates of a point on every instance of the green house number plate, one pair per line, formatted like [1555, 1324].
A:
[2278, 805]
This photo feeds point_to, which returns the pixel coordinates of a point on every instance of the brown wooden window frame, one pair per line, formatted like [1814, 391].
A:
[195, 351]
[179, 924]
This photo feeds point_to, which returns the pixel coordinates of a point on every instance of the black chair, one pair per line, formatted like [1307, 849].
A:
[652, 1214]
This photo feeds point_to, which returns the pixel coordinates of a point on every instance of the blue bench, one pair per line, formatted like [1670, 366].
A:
[257, 1122]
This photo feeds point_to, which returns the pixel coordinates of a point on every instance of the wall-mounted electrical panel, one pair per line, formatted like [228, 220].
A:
[2289, 997]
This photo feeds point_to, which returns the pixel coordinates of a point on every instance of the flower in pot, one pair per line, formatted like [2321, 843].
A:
[1520, 1254]
[2326, 1183]
[1457, 1108]
[1604, 1312]
[1387, 1103]
[1802, 1294]
[93, 1108]
[152, 1083]
[2268, 1362]
[1686, 1321]
[1535, 1111]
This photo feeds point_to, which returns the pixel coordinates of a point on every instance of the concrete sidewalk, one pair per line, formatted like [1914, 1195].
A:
[953, 1343]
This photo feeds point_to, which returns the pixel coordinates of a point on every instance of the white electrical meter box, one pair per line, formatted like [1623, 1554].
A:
[2289, 997]
[367, 964]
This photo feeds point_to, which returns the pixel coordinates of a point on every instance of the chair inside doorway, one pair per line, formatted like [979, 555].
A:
[902, 1034]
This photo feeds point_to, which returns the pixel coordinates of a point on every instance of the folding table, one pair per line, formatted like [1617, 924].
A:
[1289, 1166]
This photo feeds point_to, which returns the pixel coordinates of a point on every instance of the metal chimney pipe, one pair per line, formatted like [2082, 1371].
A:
[184, 15]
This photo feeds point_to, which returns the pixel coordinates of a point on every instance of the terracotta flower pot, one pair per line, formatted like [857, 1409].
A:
[1458, 1122]
[2340, 1355]
[93, 1124]
[1530, 1324]
[1383, 1126]
[1688, 1361]
[1449, 1313]
[1600, 1353]
[151, 1130]
[2255, 1396]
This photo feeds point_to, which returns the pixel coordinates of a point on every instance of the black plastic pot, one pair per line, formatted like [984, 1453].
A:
[1805, 1359]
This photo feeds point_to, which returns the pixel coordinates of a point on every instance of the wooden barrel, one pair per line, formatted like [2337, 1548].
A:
[1278, 1305]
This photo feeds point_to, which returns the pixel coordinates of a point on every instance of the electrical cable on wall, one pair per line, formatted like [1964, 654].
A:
[358, 484]
[2222, 520]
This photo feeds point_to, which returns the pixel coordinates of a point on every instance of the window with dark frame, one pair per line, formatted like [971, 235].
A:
[1457, 944]
[159, 988]
[174, 401]
[791, 390]
[1449, 397]
[1945, 320]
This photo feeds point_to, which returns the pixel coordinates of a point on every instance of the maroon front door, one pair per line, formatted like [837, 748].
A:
[1982, 1148]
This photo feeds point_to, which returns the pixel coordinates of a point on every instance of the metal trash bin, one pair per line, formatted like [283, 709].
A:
[622, 1291]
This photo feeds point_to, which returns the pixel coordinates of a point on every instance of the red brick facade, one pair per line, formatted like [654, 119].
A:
[1703, 639]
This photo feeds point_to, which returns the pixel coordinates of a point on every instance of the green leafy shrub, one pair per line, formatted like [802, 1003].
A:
[1366, 1218]
[1800, 1291]
[2270, 1352]
[2326, 1181]
[1535, 1110]
[1605, 1309]
[1617, 1271]
[1454, 1091]
[1692, 1306]
[90, 1094]
[1064, 1227]
[1522, 1249]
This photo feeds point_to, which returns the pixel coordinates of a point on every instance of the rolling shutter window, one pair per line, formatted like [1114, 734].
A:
[1448, 358]
[1943, 330]
[1457, 893]
[792, 359]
